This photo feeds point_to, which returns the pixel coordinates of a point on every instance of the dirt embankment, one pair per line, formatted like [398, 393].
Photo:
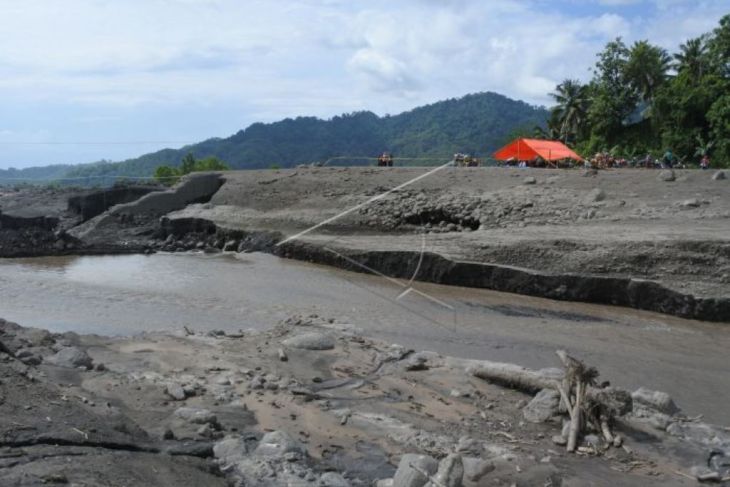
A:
[642, 238]
[628, 237]
[313, 402]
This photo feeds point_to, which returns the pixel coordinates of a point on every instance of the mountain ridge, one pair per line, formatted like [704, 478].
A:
[476, 123]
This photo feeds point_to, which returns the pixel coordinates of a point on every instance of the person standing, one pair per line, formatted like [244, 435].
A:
[705, 162]
[648, 162]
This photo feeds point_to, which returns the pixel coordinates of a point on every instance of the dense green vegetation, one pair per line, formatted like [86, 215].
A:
[644, 100]
[476, 124]
[169, 175]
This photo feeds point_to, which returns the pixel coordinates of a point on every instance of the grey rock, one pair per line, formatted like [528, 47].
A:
[559, 440]
[450, 472]
[657, 400]
[196, 415]
[407, 476]
[529, 180]
[595, 195]
[659, 421]
[257, 382]
[311, 341]
[71, 357]
[593, 440]
[701, 433]
[718, 176]
[416, 362]
[469, 445]
[384, 483]
[230, 450]
[476, 468]
[333, 479]
[175, 391]
[208, 431]
[278, 444]
[543, 406]
[690, 203]
[28, 357]
[667, 175]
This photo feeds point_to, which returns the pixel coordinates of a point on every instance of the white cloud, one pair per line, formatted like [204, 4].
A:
[245, 60]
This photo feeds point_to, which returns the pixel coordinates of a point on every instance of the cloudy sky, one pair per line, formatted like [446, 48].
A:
[82, 80]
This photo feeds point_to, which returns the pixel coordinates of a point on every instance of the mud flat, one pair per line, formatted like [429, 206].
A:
[313, 402]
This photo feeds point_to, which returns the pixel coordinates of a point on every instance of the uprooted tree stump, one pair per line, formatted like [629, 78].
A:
[572, 391]
[594, 412]
[591, 408]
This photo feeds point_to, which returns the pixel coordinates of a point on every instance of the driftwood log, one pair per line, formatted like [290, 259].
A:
[589, 406]
[532, 381]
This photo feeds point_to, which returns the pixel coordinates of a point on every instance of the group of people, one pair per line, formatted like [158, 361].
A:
[385, 160]
[669, 160]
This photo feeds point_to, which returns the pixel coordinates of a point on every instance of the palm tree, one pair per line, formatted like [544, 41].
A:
[647, 68]
[549, 132]
[692, 57]
[703, 148]
[571, 109]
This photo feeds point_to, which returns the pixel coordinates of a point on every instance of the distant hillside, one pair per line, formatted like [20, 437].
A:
[476, 124]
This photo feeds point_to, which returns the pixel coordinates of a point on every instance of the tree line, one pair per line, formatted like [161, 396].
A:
[642, 99]
[169, 175]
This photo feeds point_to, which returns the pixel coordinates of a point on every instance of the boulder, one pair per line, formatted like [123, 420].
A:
[175, 391]
[230, 450]
[469, 445]
[529, 180]
[450, 472]
[718, 176]
[278, 444]
[595, 195]
[333, 479]
[407, 476]
[656, 400]
[71, 357]
[543, 406]
[690, 203]
[311, 341]
[667, 175]
[476, 468]
[196, 415]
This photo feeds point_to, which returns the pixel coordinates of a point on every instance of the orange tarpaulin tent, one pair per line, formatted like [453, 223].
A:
[528, 149]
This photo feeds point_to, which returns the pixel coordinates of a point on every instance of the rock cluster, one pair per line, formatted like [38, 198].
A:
[33, 346]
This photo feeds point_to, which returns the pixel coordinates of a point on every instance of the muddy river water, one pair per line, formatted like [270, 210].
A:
[123, 295]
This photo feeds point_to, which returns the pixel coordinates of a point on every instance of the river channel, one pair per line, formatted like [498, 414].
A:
[125, 295]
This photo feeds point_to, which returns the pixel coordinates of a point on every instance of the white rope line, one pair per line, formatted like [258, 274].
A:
[364, 203]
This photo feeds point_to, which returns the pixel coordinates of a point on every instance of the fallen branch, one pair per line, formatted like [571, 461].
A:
[678, 472]
[82, 433]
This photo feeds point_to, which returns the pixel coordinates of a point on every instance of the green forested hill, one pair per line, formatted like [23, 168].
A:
[475, 124]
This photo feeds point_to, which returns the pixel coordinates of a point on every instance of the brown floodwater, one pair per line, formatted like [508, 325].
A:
[124, 295]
